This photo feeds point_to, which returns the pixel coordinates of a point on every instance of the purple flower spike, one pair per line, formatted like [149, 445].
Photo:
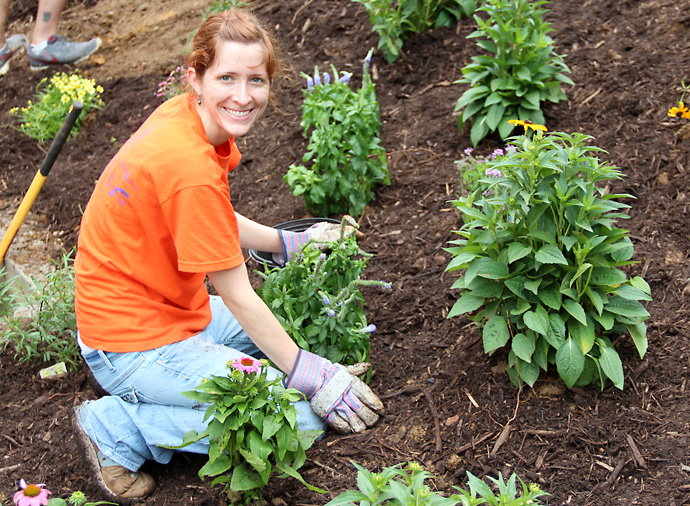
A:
[367, 62]
[317, 79]
[310, 82]
[345, 77]
[369, 328]
[326, 78]
[468, 151]
[331, 313]
[326, 300]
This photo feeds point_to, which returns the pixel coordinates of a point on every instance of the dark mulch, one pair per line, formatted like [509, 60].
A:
[446, 402]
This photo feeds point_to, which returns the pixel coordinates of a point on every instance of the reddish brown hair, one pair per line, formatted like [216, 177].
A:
[233, 25]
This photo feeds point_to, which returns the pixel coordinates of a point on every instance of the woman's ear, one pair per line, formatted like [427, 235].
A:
[194, 81]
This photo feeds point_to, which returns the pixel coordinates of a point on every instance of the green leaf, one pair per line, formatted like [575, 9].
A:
[538, 321]
[550, 296]
[631, 293]
[493, 270]
[529, 371]
[611, 365]
[550, 254]
[293, 473]
[523, 346]
[517, 250]
[638, 333]
[583, 334]
[624, 307]
[466, 304]
[607, 276]
[495, 334]
[641, 284]
[570, 362]
[218, 466]
[253, 460]
[245, 478]
[575, 310]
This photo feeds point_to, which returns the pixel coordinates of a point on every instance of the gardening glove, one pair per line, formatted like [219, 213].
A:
[321, 234]
[336, 395]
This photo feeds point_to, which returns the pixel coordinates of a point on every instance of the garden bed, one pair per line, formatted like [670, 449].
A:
[447, 404]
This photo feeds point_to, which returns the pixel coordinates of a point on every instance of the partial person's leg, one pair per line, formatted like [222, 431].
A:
[4, 10]
[10, 46]
[47, 48]
[47, 19]
[152, 382]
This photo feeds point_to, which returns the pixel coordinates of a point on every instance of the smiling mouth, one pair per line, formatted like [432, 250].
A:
[239, 114]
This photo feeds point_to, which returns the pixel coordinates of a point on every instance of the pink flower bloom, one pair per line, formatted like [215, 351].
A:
[31, 495]
[247, 364]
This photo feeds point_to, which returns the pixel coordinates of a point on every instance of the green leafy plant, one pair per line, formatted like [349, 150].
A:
[541, 258]
[344, 145]
[224, 5]
[42, 118]
[317, 299]
[521, 72]
[43, 325]
[480, 492]
[252, 431]
[405, 486]
[396, 20]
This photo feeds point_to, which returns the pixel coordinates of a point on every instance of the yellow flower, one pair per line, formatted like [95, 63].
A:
[527, 125]
[681, 111]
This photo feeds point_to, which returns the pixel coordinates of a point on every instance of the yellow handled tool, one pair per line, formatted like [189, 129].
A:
[40, 177]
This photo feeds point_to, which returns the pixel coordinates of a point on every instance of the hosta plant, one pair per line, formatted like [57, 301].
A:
[252, 429]
[396, 20]
[520, 72]
[345, 152]
[317, 299]
[541, 261]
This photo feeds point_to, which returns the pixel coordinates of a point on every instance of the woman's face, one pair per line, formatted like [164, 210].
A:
[234, 91]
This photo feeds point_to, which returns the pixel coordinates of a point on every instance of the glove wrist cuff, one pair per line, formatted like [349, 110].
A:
[292, 242]
[306, 373]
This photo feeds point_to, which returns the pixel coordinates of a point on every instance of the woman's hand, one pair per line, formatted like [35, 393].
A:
[336, 395]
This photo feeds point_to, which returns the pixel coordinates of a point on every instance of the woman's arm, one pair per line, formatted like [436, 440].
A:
[253, 235]
[254, 316]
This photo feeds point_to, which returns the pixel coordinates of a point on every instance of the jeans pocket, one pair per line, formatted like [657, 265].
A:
[129, 394]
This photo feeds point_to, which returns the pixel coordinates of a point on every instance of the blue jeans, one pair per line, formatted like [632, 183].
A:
[146, 408]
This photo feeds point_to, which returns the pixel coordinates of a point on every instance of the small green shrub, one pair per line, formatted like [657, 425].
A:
[344, 145]
[396, 20]
[520, 73]
[316, 298]
[404, 486]
[47, 332]
[541, 258]
[252, 431]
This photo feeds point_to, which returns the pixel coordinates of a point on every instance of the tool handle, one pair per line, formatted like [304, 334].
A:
[61, 137]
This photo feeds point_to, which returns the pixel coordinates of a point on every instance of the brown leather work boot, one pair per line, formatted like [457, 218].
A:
[117, 483]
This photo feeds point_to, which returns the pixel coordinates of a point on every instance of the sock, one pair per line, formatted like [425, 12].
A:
[105, 461]
[40, 46]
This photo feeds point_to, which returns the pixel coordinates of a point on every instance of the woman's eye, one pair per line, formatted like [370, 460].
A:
[225, 78]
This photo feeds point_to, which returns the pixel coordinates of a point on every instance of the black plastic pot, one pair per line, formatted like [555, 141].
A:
[294, 226]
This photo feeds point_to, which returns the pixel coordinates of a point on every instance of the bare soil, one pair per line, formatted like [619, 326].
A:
[447, 404]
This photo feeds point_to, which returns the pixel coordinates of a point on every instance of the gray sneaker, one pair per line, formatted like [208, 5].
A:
[13, 46]
[60, 50]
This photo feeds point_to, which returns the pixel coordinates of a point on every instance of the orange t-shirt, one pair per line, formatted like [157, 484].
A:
[159, 219]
